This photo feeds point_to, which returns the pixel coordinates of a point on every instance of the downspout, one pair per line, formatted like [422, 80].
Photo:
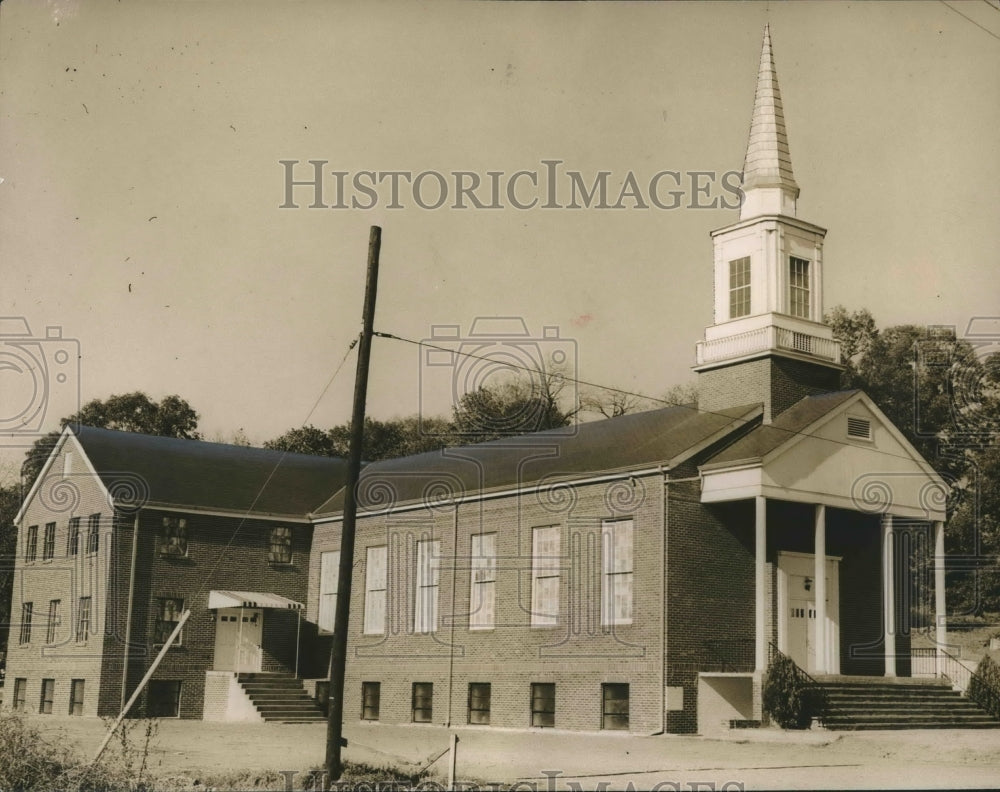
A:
[451, 639]
[128, 609]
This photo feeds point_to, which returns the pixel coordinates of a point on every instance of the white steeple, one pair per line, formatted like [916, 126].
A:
[768, 272]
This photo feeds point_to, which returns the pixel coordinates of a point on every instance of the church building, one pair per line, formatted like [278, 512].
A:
[637, 573]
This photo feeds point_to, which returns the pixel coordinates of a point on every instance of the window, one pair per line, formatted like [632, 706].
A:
[545, 576]
[94, 534]
[20, 688]
[329, 575]
[859, 428]
[614, 714]
[26, 609]
[371, 693]
[375, 590]
[73, 537]
[174, 539]
[48, 694]
[616, 572]
[739, 287]
[543, 704]
[49, 543]
[31, 543]
[479, 703]
[428, 579]
[76, 687]
[423, 702]
[53, 623]
[482, 597]
[280, 551]
[798, 287]
[168, 613]
[83, 619]
[163, 698]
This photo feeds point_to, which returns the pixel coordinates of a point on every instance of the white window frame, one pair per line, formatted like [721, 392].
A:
[329, 580]
[545, 576]
[483, 583]
[617, 571]
[428, 584]
[740, 292]
[376, 589]
[799, 288]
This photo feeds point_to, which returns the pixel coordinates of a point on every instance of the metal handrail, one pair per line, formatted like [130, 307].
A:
[977, 687]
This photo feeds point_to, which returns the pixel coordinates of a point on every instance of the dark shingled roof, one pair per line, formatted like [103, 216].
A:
[764, 439]
[169, 471]
[627, 442]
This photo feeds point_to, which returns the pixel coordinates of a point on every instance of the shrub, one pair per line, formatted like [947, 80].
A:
[788, 700]
[33, 762]
[984, 687]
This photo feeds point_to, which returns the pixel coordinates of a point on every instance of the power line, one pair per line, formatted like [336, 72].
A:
[970, 19]
[274, 470]
[666, 402]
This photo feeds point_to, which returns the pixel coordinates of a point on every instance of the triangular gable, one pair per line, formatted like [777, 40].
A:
[821, 463]
[67, 436]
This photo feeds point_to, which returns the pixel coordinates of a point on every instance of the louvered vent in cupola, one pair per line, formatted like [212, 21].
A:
[859, 428]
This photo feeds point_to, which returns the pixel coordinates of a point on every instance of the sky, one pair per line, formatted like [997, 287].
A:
[141, 203]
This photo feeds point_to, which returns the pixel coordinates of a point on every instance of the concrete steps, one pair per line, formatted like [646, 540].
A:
[855, 703]
[280, 698]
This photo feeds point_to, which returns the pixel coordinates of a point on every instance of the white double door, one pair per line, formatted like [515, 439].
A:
[238, 635]
[798, 621]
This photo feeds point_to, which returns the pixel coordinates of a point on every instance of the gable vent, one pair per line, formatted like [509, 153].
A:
[859, 427]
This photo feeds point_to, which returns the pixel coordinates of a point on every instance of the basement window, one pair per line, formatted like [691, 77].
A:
[371, 694]
[423, 702]
[163, 699]
[859, 428]
[543, 704]
[614, 714]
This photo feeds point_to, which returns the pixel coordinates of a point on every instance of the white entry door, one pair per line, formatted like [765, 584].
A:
[797, 622]
[238, 633]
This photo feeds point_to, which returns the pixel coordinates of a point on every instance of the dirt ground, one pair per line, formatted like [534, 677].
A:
[549, 760]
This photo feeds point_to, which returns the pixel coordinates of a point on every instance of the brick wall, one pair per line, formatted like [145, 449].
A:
[776, 381]
[223, 553]
[710, 593]
[67, 491]
[578, 655]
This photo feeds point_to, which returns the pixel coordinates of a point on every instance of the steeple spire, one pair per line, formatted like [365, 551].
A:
[767, 169]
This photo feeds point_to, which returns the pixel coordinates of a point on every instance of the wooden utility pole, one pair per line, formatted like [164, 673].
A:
[338, 654]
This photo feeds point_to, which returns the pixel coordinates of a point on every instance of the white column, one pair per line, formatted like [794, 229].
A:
[888, 596]
[819, 576]
[760, 558]
[939, 598]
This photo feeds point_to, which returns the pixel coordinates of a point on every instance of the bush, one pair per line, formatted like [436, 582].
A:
[788, 700]
[33, 762]
[984, 687]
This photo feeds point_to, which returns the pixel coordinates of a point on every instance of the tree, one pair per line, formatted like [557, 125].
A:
[382, 439]
[127, 412]
[304, 440]
[945, 399]
[515, 404]
[10, 502]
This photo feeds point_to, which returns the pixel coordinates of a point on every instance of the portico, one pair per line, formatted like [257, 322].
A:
[800, 470]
